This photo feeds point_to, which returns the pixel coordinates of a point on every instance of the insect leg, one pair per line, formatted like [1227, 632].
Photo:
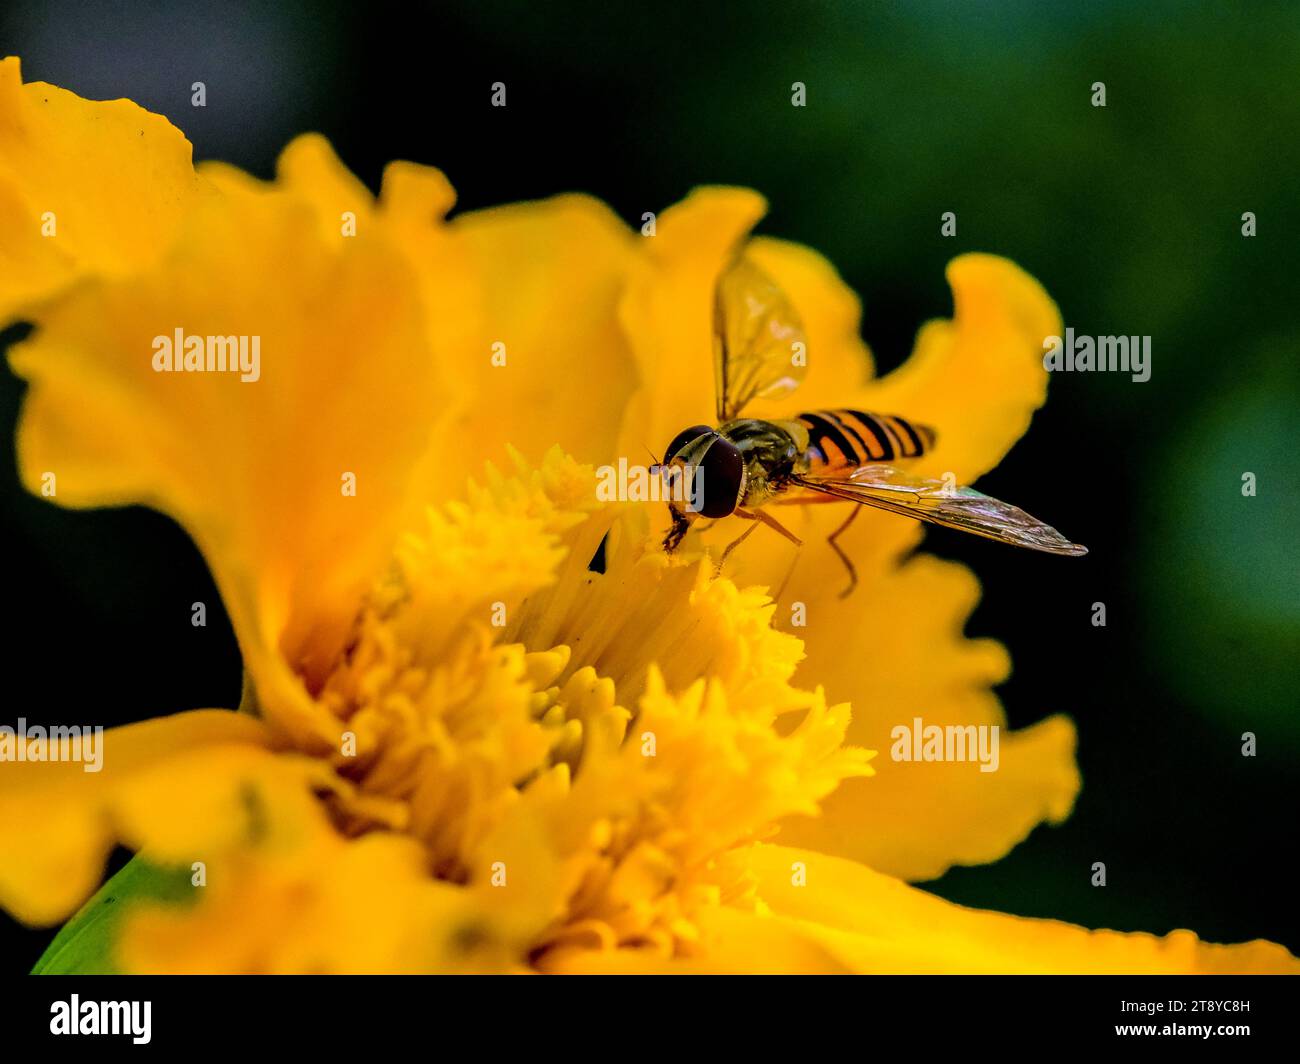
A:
[676, 532]
[776, 526]
[739, 540]
[848, 564]
[776, 597]
[759, 518]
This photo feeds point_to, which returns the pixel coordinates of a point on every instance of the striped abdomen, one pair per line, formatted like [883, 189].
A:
[843, 437]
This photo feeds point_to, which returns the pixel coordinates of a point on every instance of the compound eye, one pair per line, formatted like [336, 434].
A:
[723, 470]
[683, 438]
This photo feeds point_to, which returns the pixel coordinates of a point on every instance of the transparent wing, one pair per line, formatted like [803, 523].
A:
[935, 501]
[759, 348]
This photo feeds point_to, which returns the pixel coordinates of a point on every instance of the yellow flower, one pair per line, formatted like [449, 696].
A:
[464, 747]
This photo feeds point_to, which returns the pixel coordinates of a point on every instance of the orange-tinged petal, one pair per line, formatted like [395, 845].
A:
[85, 188]
[978, 378]
[61, 821]
[874, 923]
[291, 483]
[551, 365]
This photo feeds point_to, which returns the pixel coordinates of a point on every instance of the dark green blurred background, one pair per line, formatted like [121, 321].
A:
[1130, 215]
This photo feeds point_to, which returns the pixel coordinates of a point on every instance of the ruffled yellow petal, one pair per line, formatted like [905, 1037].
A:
[870, 922]
[978, 378]
[309, 168]
[551, 365]
[900, 655]
[86, 188]
[408, 215]
[413, 202]
[839, 362]
[667, 313]
[291, 483]
[61, 821]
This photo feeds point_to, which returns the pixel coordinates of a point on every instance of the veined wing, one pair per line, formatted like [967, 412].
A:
[759, 347]
[964, 509]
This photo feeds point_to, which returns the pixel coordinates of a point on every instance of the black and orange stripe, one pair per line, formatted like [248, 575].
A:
[842, 438]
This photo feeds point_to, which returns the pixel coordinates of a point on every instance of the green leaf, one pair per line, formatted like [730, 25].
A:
[85, 945]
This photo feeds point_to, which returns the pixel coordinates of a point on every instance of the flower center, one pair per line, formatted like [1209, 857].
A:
[515, 712]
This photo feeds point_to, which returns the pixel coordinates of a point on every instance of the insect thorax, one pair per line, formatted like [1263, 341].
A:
[772, 452]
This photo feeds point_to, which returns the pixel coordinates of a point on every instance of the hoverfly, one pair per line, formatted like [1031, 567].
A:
[821, 456]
